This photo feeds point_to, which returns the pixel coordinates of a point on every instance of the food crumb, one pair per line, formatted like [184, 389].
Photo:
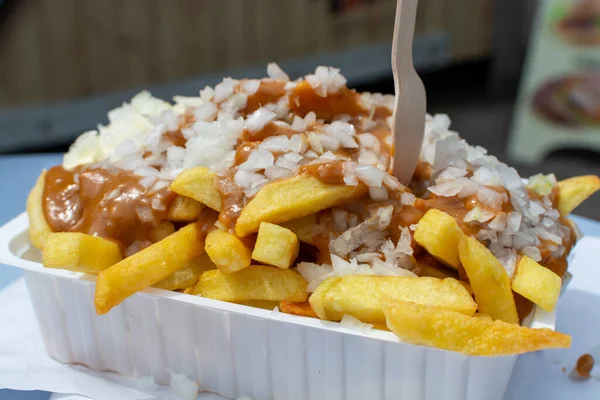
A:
[583, 367]
[563, 369]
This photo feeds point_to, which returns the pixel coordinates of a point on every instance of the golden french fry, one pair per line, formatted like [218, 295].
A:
[438, 233]
[199, 184]
[359, 295]
[227, 251]
[184, 209]
[302, 309]
[161, 231]
[258, 282]
[188, 275]
[288, 199]
[437, 272]
[304, 228]
[38, 226]
[147, 267]
[453, 331]
[536, 283]
[483, 316]
[275, 245]
[574, 191]
[489, 280]
[79, 252]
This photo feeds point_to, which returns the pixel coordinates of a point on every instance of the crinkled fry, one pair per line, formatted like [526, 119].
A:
[199, 184]
[304, 228]
[489, 280]
[187, 276]
[288, 199]
[359, 295]
[80, 252]
[574, 191]
[438, 233]
[38, 226]
[476, 336]
[147, 267]
[302, 309]
[275, 246]
[227, 251]
[184, 209]
[257, 282]
[536, 283]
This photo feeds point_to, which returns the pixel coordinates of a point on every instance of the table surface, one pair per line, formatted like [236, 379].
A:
[17, 176]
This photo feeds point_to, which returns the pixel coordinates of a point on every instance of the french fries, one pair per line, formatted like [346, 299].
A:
[437, 272]
[304, 228]
[536, 283]
[488, 279]
[184, 209]
[147, 267]
[574, 191]
[439, 233]
[227, 251]
[161, 231]
[275, 246]
[79, 252]
[187, 276]
[258, 282]
[288, 199]
[359, 296]
[38, 226]
[199, 184]
[302, 309]
[477, 336]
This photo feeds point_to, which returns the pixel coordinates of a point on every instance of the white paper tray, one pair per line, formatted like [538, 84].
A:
[236, 350]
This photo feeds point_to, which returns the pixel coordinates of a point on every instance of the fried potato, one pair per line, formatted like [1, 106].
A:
[161, 231]
[227, 251]
[288, 199]
[574, 191]
[438, 233]
[489, 280]
[257, 282]
[359, 295]
[437, 272]
[302, 309]
[276, 246]
[199, 184]
[38, 226]
[147, 267]
[184, 209]
[79, 252]
[304, 228]
[188, 275]
[536, 283]
[453, 331]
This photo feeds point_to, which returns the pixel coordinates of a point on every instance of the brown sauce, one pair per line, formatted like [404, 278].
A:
[268, 92]
[176, 137]
[232, 201]
[584, 365]
[271, 129]
[109, 204]
[331, 173]
[305, 99]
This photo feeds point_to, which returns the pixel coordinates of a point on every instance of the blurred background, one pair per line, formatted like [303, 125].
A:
[65, 63]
